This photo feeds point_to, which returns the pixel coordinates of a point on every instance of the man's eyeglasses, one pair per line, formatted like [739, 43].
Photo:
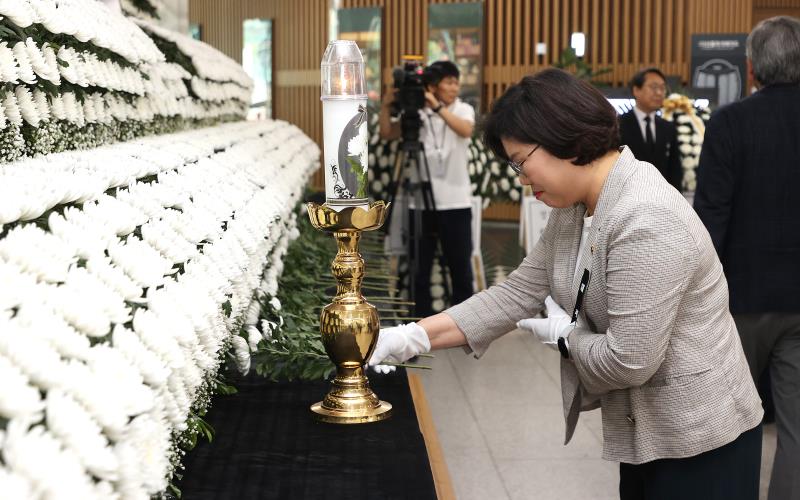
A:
[517, 167]
[654, 87]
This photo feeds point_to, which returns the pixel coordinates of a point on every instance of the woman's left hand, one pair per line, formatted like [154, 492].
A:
[548, 330]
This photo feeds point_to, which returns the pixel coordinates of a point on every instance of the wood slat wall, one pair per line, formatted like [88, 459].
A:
[624, 35]
[763, 9]
[299, 37]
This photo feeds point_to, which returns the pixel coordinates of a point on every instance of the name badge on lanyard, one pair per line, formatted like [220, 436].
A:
[436, 162]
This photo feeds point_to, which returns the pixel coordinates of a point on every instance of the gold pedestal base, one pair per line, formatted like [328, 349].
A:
[382, 412]
[351, 401]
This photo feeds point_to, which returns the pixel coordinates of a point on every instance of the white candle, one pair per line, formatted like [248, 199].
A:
[344, 125]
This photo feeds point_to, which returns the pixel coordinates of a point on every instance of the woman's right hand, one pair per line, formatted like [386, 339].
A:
[399, 344]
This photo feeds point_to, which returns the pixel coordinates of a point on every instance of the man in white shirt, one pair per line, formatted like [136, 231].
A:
[447, 126]
[650, 137]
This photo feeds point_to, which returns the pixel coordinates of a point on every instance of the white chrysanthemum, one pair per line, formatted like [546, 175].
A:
[24, 69]
[686, 149]
[11, 109]
[149, 363]
[88, 240]
[37, 252]
[114, 277]
[68, 71]
[57, 107]
[18, 286]
[143, 454]
[71, 303]
[89, 111]
[88, 285]
[69, 421]
[157, 338]
[28, 452]
[72, 110]
[267, 327]
[140, 261]
[36, 59]
[27, 106]
[8, 64]
[115, 370]
[51, 61]
[44, 323]
[40, 99]
[241, 354]
[275, 303]
[253, 337]
[18, 399]
[14, 485]
[20, 13]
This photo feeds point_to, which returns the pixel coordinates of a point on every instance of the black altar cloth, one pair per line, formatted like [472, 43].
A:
[268, 446]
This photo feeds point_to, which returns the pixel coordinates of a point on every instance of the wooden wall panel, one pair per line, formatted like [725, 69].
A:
[624, 35]
[763, 9]
[299, 37]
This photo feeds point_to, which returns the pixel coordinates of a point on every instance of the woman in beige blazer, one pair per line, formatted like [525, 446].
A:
[650, 338]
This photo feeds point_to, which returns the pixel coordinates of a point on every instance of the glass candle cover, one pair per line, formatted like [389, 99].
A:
[344, 124]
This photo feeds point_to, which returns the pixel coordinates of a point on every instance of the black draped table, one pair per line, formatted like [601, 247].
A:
[268, 446]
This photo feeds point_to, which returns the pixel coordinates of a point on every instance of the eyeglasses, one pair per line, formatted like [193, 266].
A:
[517, 167]
[654, 87]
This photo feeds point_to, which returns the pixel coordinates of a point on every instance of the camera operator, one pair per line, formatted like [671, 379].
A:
[447, 125]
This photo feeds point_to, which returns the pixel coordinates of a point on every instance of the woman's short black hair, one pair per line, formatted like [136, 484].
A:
[565, 115]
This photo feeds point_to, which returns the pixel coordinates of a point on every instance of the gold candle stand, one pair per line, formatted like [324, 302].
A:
[349, 325]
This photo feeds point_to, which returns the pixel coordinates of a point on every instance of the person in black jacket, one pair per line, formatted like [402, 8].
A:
[650, 137]
[748, 192]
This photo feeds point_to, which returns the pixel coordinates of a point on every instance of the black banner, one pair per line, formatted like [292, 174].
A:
[719, 68]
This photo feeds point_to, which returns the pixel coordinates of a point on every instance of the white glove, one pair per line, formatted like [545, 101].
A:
[399, 344]
[548, 330]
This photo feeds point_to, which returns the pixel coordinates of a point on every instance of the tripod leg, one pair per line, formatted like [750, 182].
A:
[397, 178]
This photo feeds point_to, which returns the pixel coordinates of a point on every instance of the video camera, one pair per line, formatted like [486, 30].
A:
[410, 96]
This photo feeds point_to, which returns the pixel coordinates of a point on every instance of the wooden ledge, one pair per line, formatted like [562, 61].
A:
[441, 476]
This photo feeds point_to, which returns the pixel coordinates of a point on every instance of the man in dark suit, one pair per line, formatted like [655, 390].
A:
[650, 137]
[748, 193]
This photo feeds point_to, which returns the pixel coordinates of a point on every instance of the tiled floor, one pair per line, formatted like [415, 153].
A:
[501, 424]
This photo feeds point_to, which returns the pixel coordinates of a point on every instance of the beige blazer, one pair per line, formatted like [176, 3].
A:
[655, 342]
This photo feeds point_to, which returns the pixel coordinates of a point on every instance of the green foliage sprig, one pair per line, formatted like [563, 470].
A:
[569, 61]
[295, 349]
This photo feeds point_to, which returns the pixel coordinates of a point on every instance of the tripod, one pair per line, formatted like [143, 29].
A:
[410, 160]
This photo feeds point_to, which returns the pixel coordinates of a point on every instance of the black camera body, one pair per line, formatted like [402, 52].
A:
[410, 96]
